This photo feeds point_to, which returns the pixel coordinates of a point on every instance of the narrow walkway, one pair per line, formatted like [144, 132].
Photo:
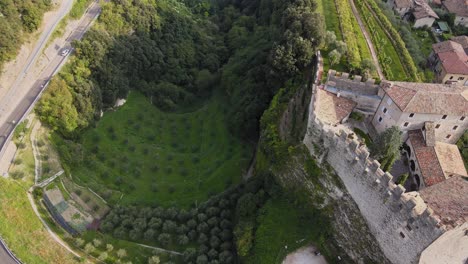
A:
[368, 40]
[37, 158]
[160, 249]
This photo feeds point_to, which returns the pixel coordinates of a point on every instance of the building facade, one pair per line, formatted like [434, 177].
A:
[449, 61]
[459, 8]
[410, 105]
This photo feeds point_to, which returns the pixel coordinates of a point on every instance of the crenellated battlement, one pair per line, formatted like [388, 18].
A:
[395, 217]
[343, 81]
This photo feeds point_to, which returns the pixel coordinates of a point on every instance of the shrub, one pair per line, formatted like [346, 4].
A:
[17, 161]
[164, 239]
[103, 256]
[246, 205]
[402, 179]
[78, 192]
[89, 248]
[79, 242]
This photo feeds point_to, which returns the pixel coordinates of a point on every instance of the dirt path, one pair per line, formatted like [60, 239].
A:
[37, 158]
[161, 249]
[368, 40]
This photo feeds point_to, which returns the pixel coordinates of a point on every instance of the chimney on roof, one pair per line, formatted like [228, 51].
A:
[429, 134]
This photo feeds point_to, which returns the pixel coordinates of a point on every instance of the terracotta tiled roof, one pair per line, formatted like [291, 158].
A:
[331, 108]
[428, 98]
[422, 9]
[452, 55]
[448, 200]
[462, 40]
[458, 7]
[450, 159]
[431, 171]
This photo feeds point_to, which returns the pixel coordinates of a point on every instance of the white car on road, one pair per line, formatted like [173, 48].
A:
[65, 52]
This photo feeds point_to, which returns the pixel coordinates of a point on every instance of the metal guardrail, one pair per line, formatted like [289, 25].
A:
[7, 250]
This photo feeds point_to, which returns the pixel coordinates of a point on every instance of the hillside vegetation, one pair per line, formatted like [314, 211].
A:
[198, 76]
[17, 19]
[153, 157]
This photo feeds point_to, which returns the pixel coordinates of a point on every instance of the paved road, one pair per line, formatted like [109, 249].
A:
[15, 112]
[5, 258]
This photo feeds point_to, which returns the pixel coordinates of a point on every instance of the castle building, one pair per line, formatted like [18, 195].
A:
[411, 105]
[430, 224]
[432, 162]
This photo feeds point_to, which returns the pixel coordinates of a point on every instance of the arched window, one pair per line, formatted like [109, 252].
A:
[412, 165]
[418, 180]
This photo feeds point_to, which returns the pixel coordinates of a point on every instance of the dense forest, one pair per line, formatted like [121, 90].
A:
[177, 53]
[17, 19]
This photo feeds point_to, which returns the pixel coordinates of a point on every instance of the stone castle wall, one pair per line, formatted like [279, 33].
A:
[365, 94]
[401, 222]
[356, 84]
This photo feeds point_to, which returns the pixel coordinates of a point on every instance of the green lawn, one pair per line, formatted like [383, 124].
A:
[282, 224]
[328, 10]
[152, 157]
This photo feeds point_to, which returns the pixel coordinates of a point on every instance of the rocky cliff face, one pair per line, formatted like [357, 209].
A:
[307, 175]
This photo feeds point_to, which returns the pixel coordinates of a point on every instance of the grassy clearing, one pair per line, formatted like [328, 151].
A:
[328, 9]
[23, 163]
[21, 228]
[153, 157]
[282, 224]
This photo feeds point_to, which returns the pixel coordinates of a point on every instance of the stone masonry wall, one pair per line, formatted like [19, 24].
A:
[401, 222]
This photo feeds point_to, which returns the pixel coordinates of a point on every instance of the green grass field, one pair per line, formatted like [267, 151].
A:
[328, 10]
[282, 224]
[154, 157]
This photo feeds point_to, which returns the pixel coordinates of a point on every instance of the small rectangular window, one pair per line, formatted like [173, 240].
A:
[462, 118]
[444, 116]
[411, 115]
[451, 77]
[402, 235]
[408, 227]
[461, 78]
[384, 110]
[448, 136]
[437, 126]
[455, 127]
[380, 119]
[406, 124]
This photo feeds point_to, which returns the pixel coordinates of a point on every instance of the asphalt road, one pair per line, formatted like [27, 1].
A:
[5, 258]
[15, 113]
